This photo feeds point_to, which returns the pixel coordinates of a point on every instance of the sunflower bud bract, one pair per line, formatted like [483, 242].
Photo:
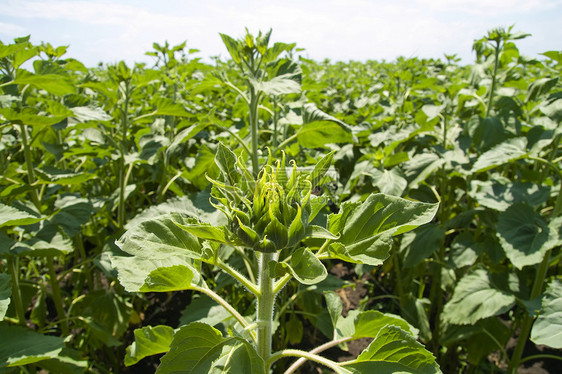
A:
[268, 214]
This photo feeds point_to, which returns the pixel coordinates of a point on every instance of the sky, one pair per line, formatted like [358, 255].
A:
[340, 30]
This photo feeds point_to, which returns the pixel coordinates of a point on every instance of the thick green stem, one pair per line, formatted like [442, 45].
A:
[494, 79]
[13, 268]
[57, 299]
[123, 148]
[29, 165]
[528, 320]
[266, 301]
[254, 129]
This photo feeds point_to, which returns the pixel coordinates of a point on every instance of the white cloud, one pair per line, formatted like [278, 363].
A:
[98, 12]
[11, 30]
[490, 8]
[337, 29]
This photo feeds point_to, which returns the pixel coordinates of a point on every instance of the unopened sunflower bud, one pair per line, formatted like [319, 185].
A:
[267, 214]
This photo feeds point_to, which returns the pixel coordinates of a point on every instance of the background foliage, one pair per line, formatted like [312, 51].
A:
[87, 153]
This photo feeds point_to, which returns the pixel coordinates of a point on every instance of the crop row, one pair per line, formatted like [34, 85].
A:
[238, 207]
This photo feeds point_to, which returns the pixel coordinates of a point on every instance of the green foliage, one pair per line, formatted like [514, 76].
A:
[546, 328]
[236, 190]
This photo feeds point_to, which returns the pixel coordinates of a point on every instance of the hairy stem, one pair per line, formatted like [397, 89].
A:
[239, 277]
[222, 302]
[266, 300]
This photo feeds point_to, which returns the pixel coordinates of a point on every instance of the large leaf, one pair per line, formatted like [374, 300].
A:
[304, 266]
[552, 107]
[26, 346]
[311, 113]
[106, 315]
[86, 114]
[479, 339]
[479, 295]
[29, 116]
[335, 308]
[149, 340]
[366, 228]
[10, 216]
[73, 214]
[195, 205]
[464, 250]
[389, 182]
[318, 134]
[200, 348]
[547, 329]
[280, 85]
[208, 232]
[525, 236]
[52, 83]
[395, 351]
[48, 242]
[171, 278]
[153, 244]
[150, 145]
[51, 175]
[133, 271]
[508, 151]
[161, 237]
[5, 293]
[421, 166]
[500, 193]
[427, 241]
[368, 324]
[165, 106]
[205, 310]
[184, 136]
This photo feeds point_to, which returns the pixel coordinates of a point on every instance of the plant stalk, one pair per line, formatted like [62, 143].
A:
[315, 351]
[254, 129]
[266, 301]
[494, 79]
[29, 165]
[306, 355]
[13, 268]
[528, 320]
[57, 299]
[122, 174]
[222, 302]
[275, 121]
